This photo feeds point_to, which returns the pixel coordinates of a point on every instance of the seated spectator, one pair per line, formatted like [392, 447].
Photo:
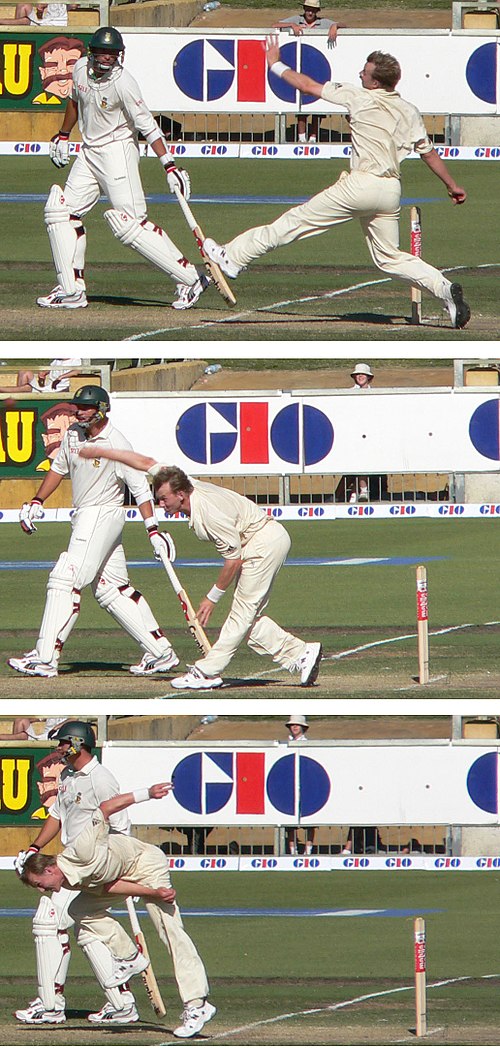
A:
[54, 379]
[38, 14]
[363, 840]
[298, 727]
[23, 729]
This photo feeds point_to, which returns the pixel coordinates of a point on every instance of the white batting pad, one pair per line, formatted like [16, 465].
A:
[62, 238]
[52, 952]
[62, 606]
[153, 243]
[132, 611]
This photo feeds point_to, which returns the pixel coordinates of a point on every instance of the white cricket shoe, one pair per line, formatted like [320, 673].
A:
[109, 1016]
[188, 294]
[123, 970]
[218, 253]
[58, 299]
[193, 1019]
[458, 309]
[308, 664]
[36, 1014]
[195, 680]
[150, 664]
[31, 665]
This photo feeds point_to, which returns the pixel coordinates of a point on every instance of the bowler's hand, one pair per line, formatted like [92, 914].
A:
[458, 195]
[272, 50]
[204, 611]
[159, 790]
[166, 894]
[88, 452]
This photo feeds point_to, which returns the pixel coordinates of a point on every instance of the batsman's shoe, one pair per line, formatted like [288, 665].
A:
[195, 680]
[58, 299]
[193, 1019]
[36, 1014]
[218, 253]
[109, 1016]
[458, 309]
[32, 666]
[308, 664]
[188, 294]
[124, 970]
[149, 664]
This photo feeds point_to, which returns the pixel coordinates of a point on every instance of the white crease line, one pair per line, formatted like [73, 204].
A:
[291, 302]
[337, 1007]
[406, 636]
[230, 318]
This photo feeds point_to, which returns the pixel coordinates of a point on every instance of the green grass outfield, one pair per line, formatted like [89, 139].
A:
[372, 607]
[285, 296]
[289, 980]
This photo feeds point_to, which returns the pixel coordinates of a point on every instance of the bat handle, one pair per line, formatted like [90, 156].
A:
[185, 208]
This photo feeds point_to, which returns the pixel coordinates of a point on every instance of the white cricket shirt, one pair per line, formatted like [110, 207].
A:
[79, 794]
[98, 482]
[110, 109]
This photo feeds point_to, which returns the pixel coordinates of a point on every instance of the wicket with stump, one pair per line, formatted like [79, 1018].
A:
[422, 625]
[420, 977]
[416, 249]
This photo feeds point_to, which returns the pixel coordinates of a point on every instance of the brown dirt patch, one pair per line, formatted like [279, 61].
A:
[335, 376]
[356, 18]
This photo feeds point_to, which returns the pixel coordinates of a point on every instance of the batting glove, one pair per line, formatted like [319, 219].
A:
[178, 178]
[162, 541]
[59, 149]
[20, 859]
[29, 512]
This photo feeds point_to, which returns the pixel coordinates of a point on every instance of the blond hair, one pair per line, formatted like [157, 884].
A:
[387, 69]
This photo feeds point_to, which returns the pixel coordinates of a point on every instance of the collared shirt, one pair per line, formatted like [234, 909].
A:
[98, 482]
[78, 796]
[225, 518]
[110, 109]
[384, 127]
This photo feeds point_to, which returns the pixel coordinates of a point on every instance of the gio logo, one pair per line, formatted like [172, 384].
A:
[206, 782]
[208, 69]
[210, 432]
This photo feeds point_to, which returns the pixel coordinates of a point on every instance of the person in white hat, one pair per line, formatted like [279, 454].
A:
[298, 727]
[363, 377]
[302, 23]
[357, 487]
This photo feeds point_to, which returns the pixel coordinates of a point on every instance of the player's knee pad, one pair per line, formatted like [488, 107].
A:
[153, 243]
[132, 611]
[62, 237]
[56, 209]
[52, 952]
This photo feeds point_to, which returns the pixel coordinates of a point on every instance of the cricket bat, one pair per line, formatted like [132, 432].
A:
[148, 975]
[218, 279]
[195, 629]
[416, 249]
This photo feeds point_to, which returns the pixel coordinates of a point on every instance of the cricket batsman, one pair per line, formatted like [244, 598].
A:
[95, 555]
[108, 106]
[104, 865]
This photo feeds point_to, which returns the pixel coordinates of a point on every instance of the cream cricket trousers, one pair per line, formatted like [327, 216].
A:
[93, 922]
[263, 556]
[356, 194]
